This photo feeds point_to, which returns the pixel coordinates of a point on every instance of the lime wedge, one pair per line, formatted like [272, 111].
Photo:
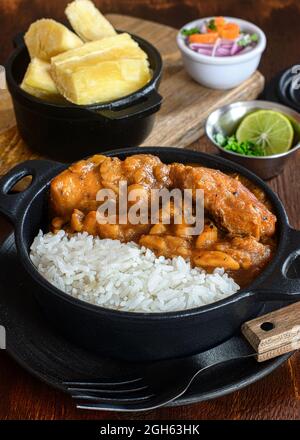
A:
[269, 129]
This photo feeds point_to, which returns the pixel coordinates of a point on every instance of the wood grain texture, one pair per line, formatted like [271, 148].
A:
[186, 104]
[275, 333]
[7, 116]
[278, 395]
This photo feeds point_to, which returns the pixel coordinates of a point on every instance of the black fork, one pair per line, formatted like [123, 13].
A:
[161, 383]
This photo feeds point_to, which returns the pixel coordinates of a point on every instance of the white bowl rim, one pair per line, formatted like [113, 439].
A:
[236, 59]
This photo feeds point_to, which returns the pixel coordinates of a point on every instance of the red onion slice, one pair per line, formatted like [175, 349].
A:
[205, 51]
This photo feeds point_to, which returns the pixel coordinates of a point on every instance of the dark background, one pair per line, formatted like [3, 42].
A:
[275, 397]
[280, 19]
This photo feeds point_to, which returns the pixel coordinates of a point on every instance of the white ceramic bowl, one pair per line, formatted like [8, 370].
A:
[222, 72]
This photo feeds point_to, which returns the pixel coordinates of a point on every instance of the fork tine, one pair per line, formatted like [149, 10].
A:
[111, 406]
[105, 383]
[113, 399]
[107, 390]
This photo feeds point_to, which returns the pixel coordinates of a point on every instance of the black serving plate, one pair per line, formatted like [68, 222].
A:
[33, 343]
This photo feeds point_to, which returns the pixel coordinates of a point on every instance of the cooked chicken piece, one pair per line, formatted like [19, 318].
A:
[167, 245]
[230, 203]
[124, 233]
[171, 222]
[159, 229]
[182, 230]
[246, 250]
[147, 170]
[174, 230]
[243, 245]
[208, 236]
[138, 193]
[257, 191]
[233, 254]
[76, 188]
[212, 259]
[142, 169]
[77, 219]
[111, 172]
[88, 223]
[57, 224]
[166, 213]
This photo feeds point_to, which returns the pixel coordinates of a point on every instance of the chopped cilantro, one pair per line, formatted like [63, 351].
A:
[220, 139]
[247, 39]
[188, 32]
[212, 25]
[254, 37]
[230, 143]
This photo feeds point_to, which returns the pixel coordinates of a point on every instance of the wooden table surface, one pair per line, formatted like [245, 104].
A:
[278, 395]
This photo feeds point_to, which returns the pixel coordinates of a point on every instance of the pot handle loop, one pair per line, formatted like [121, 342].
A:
[40, 170]
[148, 104]
[286, 277]
[273, 295]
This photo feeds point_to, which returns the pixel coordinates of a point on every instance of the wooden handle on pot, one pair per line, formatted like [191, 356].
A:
[274, 334]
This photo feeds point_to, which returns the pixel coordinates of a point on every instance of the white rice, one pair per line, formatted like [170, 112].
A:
[125, 277]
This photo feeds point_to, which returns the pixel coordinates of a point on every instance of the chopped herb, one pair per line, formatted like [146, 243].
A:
[246, 148]
[242, 42]
[188, 32]
[212, 25]
[247, 39]
[221, 139]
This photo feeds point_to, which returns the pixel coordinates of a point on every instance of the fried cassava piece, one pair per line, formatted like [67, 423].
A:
[101, 70]
[97, 66]
[46, 38]
[87, 21]
[38, 81]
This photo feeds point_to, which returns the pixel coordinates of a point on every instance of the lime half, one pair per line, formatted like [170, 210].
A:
[269, 129]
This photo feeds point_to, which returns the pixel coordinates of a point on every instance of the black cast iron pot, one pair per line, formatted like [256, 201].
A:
[142, 336]
[69, 132]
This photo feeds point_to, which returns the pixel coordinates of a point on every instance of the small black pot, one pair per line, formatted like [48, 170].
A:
[144, 336]
[69, 132]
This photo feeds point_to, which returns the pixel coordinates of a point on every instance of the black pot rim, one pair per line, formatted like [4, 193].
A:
[123, 102]
[283, 228]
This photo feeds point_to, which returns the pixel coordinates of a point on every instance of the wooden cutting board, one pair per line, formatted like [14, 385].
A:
[185, 107]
